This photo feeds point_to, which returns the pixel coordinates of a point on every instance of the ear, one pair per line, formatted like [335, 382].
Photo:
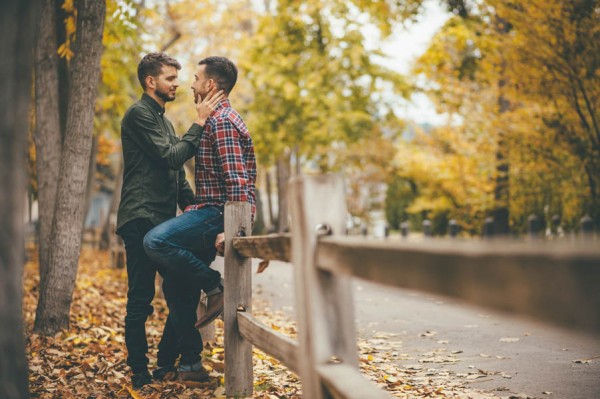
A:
[150, 82]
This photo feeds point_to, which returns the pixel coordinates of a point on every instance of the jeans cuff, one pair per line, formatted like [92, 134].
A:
[217, 290]
[190, 367]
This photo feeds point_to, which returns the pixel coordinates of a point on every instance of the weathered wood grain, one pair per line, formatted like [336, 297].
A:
[271, 247]
[555, 283]
[346, 382]
[324, 301]
[238, 294]
[268, 340]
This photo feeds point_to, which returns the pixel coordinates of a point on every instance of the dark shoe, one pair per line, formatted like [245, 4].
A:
[194, 378]
[139, 380]
[214, 308]
[168, 373]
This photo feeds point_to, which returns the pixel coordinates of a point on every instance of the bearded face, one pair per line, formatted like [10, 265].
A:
[166, 83]
[202, 84]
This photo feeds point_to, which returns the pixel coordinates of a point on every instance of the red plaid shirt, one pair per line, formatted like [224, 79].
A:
[225, 162]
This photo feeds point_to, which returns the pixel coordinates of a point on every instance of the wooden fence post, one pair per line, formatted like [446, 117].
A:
[238, 296]
[324, 304]
[207, 332]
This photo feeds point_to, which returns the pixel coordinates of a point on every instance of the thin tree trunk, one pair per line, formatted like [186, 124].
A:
[56, 295]
[270, 200]
[91, 178]
[297, 166]
[501, 211]
[47, 134]
[283, 175]
[107, 228]
[18, 23]
[593, 174]
[90, 191]
[173, 27]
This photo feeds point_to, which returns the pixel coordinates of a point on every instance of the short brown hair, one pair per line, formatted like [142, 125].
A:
[152, 64]
[222, 70]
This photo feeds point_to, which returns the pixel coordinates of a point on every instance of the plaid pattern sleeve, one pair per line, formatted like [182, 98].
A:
[225, 162]
[229, 153]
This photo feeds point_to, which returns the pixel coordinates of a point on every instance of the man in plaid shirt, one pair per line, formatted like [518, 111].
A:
[225, 171]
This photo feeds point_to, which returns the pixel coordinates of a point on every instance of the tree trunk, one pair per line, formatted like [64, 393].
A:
[55, 296]
[501, 211]
[107, 228]
[47, 134]
[91, 178]
[592, 170]
[283, 175]
[270, 200]
[63, 67]
[18, 23]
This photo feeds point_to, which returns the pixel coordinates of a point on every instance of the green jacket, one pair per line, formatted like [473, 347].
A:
[153, 157]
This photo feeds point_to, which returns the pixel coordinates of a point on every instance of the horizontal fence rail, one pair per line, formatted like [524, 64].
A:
[346, 382]
[268, 340]
[555, 282]
[271, 247]
[516, 277]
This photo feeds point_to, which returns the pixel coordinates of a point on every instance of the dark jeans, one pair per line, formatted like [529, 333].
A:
[141, 273]
[184, 248]
[180, 245]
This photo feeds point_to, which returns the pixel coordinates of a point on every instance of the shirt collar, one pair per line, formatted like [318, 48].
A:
[222, 104]
[152, 102]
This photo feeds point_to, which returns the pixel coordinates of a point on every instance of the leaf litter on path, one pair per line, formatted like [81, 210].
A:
[88, 361]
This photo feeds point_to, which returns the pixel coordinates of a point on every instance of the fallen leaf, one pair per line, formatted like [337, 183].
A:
[510, 339]
[582, 361]
[262, 266]
[132, 392]
[89, 360]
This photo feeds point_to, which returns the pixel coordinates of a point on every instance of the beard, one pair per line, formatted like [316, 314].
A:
[198, 97]
[164, 95]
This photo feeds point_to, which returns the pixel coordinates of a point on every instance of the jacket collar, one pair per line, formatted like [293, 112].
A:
[153, 104]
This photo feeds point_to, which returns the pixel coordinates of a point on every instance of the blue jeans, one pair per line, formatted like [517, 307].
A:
[184, 247]
[181, 243]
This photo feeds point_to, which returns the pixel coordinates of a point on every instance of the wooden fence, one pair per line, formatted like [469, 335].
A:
[555, 284]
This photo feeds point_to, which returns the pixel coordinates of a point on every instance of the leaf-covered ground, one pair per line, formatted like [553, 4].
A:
[88, 361]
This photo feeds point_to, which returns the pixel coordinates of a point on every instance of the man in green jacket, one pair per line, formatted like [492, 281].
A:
[153, 186]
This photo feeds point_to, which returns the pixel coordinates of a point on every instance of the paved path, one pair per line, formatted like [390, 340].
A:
[537, 358]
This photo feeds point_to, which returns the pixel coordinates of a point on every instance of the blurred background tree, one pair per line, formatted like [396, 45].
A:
[516, 85]
[519, 83]
[518, 100]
